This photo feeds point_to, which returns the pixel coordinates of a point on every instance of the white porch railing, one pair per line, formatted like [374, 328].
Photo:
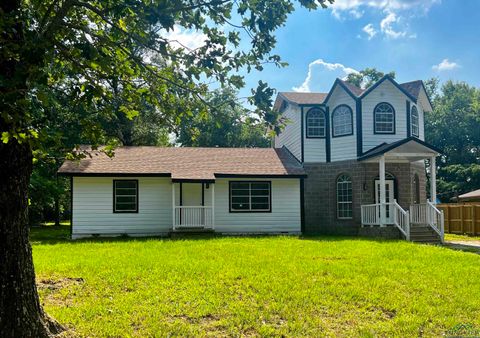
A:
[193, 217]
[401, 219]
[428, 214]
[371, 214]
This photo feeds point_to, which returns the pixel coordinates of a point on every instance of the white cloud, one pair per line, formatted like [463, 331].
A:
[328, 69]
[393, 25]
[180, 37]
[445, 65]
[384, 5]
[387, 27]
[370, 30]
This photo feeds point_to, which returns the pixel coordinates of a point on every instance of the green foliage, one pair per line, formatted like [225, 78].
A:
[366, 77]
[97, 59]
[454, 127]
[264, 286]
[228, 124]
[109, 72]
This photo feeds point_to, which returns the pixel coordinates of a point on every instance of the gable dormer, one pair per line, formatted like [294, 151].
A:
[348, 121]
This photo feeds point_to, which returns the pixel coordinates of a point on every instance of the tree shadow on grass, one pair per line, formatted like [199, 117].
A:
[51, 234]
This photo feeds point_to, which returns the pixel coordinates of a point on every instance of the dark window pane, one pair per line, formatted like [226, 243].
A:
[126, 199]
[128, 192]
[236, 206]
[245, 199]
[260, 200]
[260, 186]
[126, 207]
[126, 195]
[238, 185]
[237, 192]
[260, 206]
[125, 184]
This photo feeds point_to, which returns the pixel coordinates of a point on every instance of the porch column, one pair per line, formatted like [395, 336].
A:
[173, 205]
[213, 205]
[382, 191]
[433, 180]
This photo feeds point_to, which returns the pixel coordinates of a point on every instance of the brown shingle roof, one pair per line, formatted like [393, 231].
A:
[354, 89]
[188, 163]
[412, 87]
[304, 98]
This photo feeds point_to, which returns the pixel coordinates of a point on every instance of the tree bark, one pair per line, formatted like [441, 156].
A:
[20, 312]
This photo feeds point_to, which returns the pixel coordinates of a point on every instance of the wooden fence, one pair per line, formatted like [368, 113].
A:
[461, 218]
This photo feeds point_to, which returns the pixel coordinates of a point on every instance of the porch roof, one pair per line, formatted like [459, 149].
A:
[410, 149]
[186, 164]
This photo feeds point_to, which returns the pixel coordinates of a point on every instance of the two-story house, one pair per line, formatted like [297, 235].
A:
[364, 152]
[349, 161]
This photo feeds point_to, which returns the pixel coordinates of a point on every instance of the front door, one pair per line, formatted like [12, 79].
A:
[389, 197]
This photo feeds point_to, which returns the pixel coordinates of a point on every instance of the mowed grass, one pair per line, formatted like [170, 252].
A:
[247, 286]
[463, 238]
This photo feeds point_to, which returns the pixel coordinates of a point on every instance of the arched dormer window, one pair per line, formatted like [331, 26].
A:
[384, 119]
[316, 124]
[415, 122]
[344, 197]
[342, 121]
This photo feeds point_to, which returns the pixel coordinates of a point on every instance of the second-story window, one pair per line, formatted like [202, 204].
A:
[342, 119]
[316, 124]
[415, 122]
[384, 119]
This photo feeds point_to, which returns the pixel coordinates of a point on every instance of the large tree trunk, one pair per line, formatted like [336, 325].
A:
[20, 312]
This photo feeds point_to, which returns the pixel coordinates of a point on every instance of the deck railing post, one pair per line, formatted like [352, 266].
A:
[383, 198]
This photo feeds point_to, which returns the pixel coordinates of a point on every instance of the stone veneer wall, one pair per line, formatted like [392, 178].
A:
[320, 192]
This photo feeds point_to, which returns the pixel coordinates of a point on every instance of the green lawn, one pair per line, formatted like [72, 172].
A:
[265, 286]
[465, 238]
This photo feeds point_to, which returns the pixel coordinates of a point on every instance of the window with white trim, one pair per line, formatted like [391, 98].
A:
[415, 121]
[316, 124]
[125, 196]
[344, 197]
[384, 116]
[250, 196]
[342, 118]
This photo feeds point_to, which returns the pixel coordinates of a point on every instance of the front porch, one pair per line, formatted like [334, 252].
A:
[418, 220]
[193, 206]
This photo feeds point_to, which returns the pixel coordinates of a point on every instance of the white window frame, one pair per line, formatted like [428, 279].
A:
[342, 117]
[321, 129]
[342, 180]
[415, 121]
[384, 109]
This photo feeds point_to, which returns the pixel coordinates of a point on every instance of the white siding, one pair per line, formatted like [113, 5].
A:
[93, 207]
[344, 147]
[290, 137]
[285, 215]
[385, 92]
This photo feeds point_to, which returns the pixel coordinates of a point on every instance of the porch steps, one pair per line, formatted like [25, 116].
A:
[424, 234]
[191, 232]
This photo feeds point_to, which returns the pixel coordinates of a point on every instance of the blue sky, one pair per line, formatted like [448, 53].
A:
[418, 39]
